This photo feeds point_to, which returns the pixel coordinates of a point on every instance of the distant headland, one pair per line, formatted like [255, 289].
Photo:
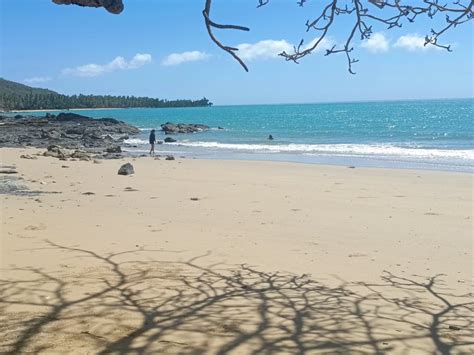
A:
[15, 96]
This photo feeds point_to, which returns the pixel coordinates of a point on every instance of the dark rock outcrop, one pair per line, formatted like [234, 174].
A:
[172, 128]
[78, 154]
[67, 130]
[170, 140]
[126, 169]
[56, 151]
[114, 149]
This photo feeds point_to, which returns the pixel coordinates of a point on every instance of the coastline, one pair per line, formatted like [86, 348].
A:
[188, 228]
[371, 162]
[405, 138]
[69, 109]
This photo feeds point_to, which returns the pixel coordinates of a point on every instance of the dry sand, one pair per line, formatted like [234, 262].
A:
[195, 256]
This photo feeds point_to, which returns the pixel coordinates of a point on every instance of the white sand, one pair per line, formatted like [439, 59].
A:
[270, 258]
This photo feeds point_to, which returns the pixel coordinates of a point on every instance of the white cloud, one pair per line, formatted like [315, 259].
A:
[264, 49]
[377, 43]
[326, 43]
[184, 57]
[139, 60]
[119, 63]
[37, 79]
[271, 48]
[413, 42]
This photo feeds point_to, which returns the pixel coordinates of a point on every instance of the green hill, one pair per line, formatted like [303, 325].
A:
[8, 87]
[16, 96]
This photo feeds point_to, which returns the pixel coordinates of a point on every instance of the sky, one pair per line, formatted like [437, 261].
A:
[160, 48]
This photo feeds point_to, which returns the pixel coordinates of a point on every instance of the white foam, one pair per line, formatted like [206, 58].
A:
[352, 149]
[135, 141]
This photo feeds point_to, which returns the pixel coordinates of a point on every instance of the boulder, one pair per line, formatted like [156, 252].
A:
[51, 134]
[53, 147]
[56, 151]
[171, 128]
[81, 155]
[67, 116]
[13, 185]
[170, 140]
[109, 139]
[114, 149]
[27, 156]
[112, 156]
[126, 169]
[92, 134]
[76, 130]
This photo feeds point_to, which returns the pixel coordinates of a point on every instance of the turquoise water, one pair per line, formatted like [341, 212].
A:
[433, 134]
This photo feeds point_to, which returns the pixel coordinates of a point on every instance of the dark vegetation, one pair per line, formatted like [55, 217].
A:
[15, 96]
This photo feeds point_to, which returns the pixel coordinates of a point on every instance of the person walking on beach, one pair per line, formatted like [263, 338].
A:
[152, 140]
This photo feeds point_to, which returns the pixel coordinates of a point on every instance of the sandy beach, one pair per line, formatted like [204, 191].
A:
[208, 256]
[65, 109]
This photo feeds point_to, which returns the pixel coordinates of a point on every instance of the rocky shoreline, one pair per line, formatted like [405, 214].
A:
[77, 137]
[68, 130]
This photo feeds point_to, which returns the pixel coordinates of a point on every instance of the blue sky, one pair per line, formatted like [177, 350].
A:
[160, 48]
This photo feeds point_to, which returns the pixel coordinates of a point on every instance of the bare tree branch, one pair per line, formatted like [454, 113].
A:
[364, 14]
[113, 6]
[211, 24]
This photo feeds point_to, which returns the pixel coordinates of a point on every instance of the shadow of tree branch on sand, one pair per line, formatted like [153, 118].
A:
[127, 304]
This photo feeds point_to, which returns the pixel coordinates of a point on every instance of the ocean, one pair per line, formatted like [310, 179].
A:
[421, 134]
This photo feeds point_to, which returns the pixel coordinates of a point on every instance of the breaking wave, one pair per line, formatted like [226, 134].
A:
[344, 149]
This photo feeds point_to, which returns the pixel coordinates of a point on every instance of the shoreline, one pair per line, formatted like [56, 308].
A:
[193, 254]
[71, 109]
[374, 162]
[286, 103]
[95, 109]
[131, 155]
[462, 170]
[381, 155]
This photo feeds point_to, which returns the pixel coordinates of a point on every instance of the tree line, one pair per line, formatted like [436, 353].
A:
[35, 101]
